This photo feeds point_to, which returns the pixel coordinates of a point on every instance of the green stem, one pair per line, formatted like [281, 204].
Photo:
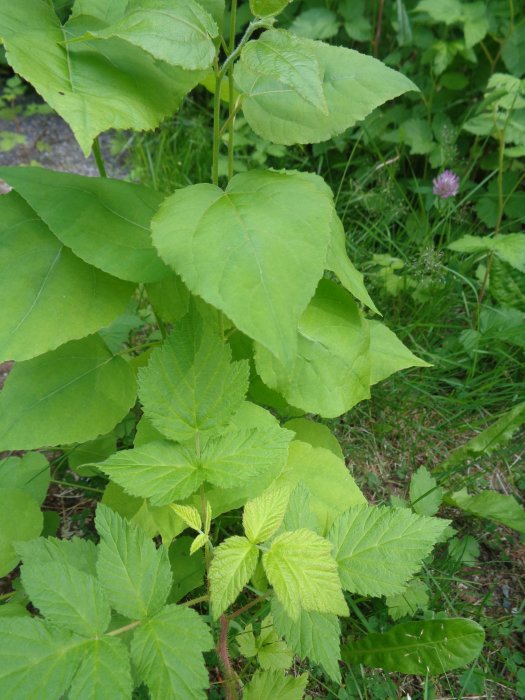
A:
[76, 486]
[231, 91]
[99, 160]
[216, 125]
[6, 596]
[196, 601]
[126, 628]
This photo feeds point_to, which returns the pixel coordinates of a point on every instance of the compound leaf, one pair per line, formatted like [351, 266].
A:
[167, 654]
[72, 394]
[233, 564]
[432, 646]
[105, 672]
[263, 515]
[135, 575]
[105, 222]
[269, 685]
[75, 553]
[300, 567]
[378, 549]
[271, 256]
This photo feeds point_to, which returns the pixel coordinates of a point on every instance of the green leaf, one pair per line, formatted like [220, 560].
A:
[464, 550]
[167, 654]
[179, 32]
[232, 566]
[509, 247]
[80, 456]
[263, 515]
[105, 222]
[388, 354]
[190, 383]
[67, 597]
[315, 434]
[271, 652]
[378, 549]
[20, 519]
[165, 471]
[425, 494]
[353, 86]
[270, 685]
[105, 672]
[327, 478]
[46, 289]
[188, 570]
[331, 372]
[513, 52]
[316, 23]
[135, 575]
[299, 514]
[75, 553]
[29, 473]
[72, 394]
[272, 256]
[267, 8]
[433, 646]
[493, 506]
[413, 598]
[94, 86]
[300, 567]
[170, 298]
[37, 660]
[314, 636]
[107, 12]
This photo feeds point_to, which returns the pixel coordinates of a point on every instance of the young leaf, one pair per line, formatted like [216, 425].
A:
[62, 397]
[258, 282]
[105, 672]
[388, 354]
[233, 564]
[493, 506]
[37, 660]
[353, 86]
[190, 383]
[167, 654]
[314, 636]
[425, 494]
[433, 646]
[189, 514]
[14, 528]
[378, 549]
[331, 372]
[135, 575]
[271, 652]
[198, 543]
[299, 514]
[94, 86]
[67, 597]
[300, 567]
[179, 32]
[263, 515]
[413, 598]
[270, 685]
[47, 289]
[105, 222]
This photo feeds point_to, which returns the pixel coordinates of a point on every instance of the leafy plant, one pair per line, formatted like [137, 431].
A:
[258, 306]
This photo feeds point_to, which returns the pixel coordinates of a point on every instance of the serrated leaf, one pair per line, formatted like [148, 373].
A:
[378, 549]
[72, 394]
[167, 654]
[388, 354]
[509, 247]
[179, 32]
[198, 543]
[95, 85]
[327, 478]
[67, 597]
[190, 383]
[272, 652]
[298, 513]
[331, 372]
[300, 567]
[263, 515]
[425, 494]
[493, 506]
[314, 636]
[37, 660]
[46, 289]
[232, 566]
[105, 672]
[353, 85]
[257, 282]
[189, 514]
[29, 473]
[75, 553]
[135, 575]
[14, 528]
[433, 646]
[105, 222]
[267, 8]
[270, 685]
[413, 598]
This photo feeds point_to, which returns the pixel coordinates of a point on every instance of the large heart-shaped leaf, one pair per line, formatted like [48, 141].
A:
[255, 251]
[281, 110]
[93, 85]
[51, 296]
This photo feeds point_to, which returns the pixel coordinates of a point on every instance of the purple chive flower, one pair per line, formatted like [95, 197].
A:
[446, 184]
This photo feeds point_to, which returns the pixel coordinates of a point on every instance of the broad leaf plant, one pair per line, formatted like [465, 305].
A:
[264, 321]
